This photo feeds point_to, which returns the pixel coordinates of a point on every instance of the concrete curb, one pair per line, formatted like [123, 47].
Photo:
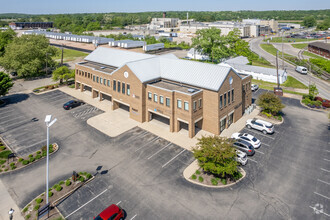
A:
[314, 109]
[44, 92]
[190, 170]
[9, 171]
[271, 120]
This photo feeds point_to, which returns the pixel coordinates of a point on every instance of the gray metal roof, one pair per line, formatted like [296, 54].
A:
[149, 67]
[257, 69]
[321, 45]
[237, 60]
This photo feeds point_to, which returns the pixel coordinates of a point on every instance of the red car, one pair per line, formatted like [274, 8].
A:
[113, 212]
[325, 102]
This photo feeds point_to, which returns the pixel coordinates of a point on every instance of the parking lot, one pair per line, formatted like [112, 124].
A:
[287, 178]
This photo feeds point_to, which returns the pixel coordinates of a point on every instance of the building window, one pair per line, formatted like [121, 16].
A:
[168, 102]
[128, 89]
[161, 99]
[220, 101]
[228, 97]
[97, 79]
[118, 86]
[89, 75]
[224, 100]
[149, 95]
[114, 85]
[222, 124]
[108, 82]
[232, 95]
[101, 80]
[200, 103]
[123, 88]
[179, 103]
[186, 106]
[105, 82]
[155, 98]
[230, 119]
[194, 105]
[94, 78]
[85, 74]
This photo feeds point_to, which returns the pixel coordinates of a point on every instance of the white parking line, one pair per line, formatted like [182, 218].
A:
[135, 137]
[262, 134]
[326, 159]
[133, 217]
[37, 143]
[7, 111]
[258, 151]
[85, 204]
[7, 116]
[325, 170]
[16, 124]
[159, 151]
[265, 145]
[252, 160]
[327, 151]
[173, 158]
[319, 211]
[147, 143]
[322, 195]
[4, 122]
[118, 203]
[323, 181]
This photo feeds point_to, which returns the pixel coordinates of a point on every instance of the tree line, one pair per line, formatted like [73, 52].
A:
[78, 23]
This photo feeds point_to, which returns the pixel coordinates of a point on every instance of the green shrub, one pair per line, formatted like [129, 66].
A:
[20, 159]
[25, 209]
[50, 194]
[201, 179]
[55, 186]
[44, 149]
[38, 152]
[6, 169]
[279, 118]
[68, 183]
[2, 161]
[51, 149]
[88, 176]
[39, 200]
[214, 182]
[193, 177]
[61, 182]
[4, 154]
[224, 181]
[25, 162]
[2, 147]
[306, 101]
[198, 172]
[0, 170]
[59, 188]
[81, 179]
[31, 159]
[38, 156]
[3, 166]
[268, 115]
[36, 207]
[12, 164]
[13, 167]
[28, 216]
[44, 153]
[30, 155]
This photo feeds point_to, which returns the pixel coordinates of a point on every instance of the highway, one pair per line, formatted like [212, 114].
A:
[322, 86]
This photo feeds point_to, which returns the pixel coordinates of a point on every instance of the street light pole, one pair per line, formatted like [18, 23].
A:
[48, 124]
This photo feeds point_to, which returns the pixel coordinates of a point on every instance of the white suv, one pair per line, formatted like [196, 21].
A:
[247, 137]
[264, 126]
[241, 157]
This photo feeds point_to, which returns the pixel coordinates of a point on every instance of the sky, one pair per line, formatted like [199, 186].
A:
[97, 6]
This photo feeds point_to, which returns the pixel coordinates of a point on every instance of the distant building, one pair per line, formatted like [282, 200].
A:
[165, 24]
[289, 26]
[30, 25]
[196, 55]
[320, 48]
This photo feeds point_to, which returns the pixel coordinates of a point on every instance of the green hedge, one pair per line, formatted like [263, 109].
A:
[323, 64]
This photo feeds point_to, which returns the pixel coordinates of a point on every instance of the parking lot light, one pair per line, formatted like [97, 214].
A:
[49, 122]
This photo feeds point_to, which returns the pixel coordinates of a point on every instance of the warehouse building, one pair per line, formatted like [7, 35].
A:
[180, 93]
[320, 48]
[30, 25]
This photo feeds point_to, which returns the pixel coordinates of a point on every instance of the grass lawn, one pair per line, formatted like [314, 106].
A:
[262, 64]
[306, 53]
[292, 82]
[299, 46]
[272, 50]
[287, 40]
[69, 55]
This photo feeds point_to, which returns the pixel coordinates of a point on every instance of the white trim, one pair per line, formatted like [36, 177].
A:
[157, 113]
[121, 102]
[106, 94]
[224, 117]
[197, 120]
[179, 119]
[231, 112]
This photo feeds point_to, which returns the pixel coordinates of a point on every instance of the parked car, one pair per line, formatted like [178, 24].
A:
[325, 102]
[241, 157]
[72, 104]
[244, 146]
[247, 137]
[254, 87]
[113, 212]
[261, 125]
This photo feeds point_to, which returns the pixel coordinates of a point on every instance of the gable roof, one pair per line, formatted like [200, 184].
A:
[321, 45]
[148, 68]
[237, 60]
[257, 69]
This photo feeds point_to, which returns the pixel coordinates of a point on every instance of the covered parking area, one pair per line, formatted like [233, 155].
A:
[159, 119]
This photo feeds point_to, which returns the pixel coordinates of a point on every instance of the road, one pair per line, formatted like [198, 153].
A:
[322, 86]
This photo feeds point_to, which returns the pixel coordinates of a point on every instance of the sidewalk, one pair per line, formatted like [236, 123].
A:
[7, 202]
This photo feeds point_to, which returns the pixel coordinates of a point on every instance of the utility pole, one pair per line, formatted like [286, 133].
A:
[278, 82]
[62, 56]
[282, 52]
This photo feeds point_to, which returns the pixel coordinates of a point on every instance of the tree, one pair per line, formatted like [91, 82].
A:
[6, 37]
[270, 103]
[5, 83]
[312, 91]
[28, 55]
[309, 21]
[324, 25]
[63, 73]
[216, 155]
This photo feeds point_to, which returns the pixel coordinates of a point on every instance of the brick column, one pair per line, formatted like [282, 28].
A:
[81, 87]
[191, 127]
[101, 97]
[115, 105]
[94, 93]
[171, 124]
[76, 85]
[176, 125]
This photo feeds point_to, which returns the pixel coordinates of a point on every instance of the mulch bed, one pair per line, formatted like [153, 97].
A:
[58, 192]
[272, 117]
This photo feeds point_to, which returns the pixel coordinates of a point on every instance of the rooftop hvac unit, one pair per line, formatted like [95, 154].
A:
[191, 90]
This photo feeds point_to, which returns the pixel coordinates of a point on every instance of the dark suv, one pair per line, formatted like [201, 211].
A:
[244, 146]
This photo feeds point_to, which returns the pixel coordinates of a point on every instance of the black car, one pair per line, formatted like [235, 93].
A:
[72, 104]
[245, 147]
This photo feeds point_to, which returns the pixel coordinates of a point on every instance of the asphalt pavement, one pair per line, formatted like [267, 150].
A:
[322, 86]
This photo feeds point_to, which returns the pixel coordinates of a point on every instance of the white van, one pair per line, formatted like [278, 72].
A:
[301, 69]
